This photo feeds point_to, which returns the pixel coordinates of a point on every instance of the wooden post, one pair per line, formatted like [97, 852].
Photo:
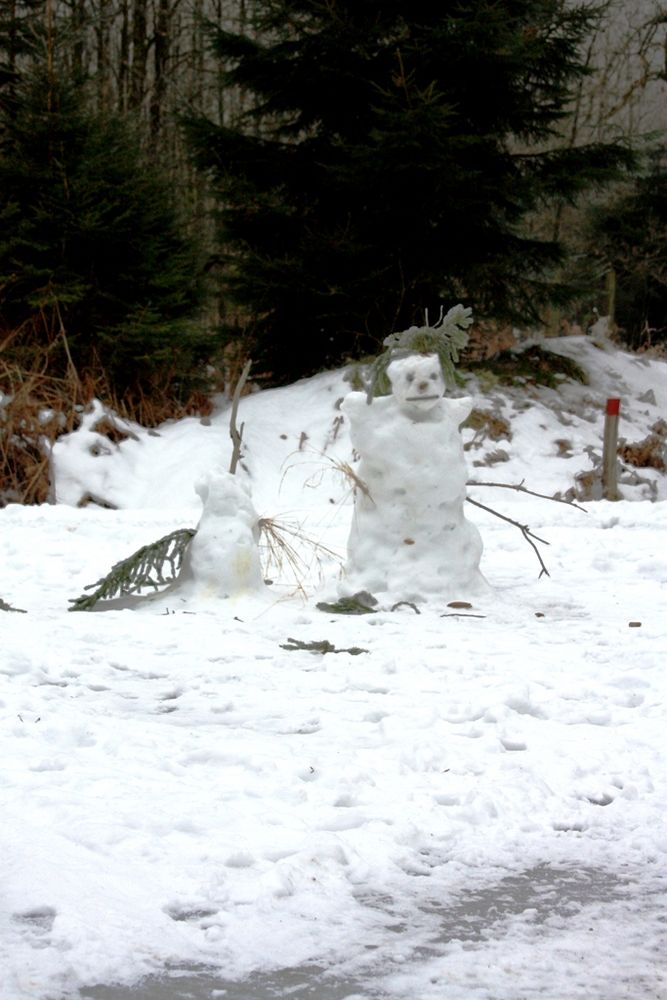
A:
[610, 445]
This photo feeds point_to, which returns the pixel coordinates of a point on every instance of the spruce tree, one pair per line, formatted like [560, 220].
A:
[95, 268]
[629, 236]
[385, 164]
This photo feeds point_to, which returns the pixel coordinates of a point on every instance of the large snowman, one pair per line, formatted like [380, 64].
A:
[410, 540]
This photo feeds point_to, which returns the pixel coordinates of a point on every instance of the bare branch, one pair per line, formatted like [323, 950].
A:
[520, 488]
[523, 528]
[235, 434]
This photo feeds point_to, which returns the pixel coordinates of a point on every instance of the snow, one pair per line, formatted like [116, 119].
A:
[180, 788]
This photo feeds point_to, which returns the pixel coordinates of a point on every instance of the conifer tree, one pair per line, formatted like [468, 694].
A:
[388, 157]
[629, 234]
[95, 269]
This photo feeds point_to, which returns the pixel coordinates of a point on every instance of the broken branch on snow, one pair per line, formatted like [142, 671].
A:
[523, 528]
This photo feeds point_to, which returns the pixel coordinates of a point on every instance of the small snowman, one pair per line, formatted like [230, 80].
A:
[222, 560]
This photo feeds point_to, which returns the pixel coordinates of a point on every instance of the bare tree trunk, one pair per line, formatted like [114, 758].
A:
[160, 65]
[195, 64]
[102, 28]
[12, 51]
[139, 54]
[123, 77]
[78, 34]
[49, 20]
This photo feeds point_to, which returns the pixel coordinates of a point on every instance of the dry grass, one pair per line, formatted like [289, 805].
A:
[287, 549]
[325, 463]
[351, 476]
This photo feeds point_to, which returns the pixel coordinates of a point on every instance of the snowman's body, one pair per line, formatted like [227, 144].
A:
[409, 538]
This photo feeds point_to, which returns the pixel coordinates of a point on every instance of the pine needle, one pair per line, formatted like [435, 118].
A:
[338, 465]
[349, 473]
[281, 552]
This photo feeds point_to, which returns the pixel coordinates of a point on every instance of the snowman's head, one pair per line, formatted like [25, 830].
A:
[417, 382]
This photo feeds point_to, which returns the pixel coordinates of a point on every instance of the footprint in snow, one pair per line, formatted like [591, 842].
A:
[189, 914]
[36, 924]
[241, 859]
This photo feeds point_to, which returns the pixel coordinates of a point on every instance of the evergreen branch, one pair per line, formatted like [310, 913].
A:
[446, 338]
[523, 528]
[361, 603]
[323, 646]
[144, 569]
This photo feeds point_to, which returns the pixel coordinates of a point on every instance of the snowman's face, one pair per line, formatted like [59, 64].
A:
[417, 382]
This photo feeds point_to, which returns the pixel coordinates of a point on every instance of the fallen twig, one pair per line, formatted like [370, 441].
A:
[7, 607]
[520, 488]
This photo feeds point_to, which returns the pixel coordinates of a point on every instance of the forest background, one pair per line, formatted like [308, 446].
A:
[118, 280]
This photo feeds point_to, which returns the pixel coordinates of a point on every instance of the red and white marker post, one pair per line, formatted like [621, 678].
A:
[609, 449]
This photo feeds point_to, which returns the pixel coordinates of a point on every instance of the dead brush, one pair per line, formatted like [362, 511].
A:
[37, 406]
[152, 406]
[651, 453]
[486, 425]
[34, 410]
[282, 545]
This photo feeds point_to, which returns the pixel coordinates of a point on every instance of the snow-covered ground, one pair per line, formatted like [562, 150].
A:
[180, 789]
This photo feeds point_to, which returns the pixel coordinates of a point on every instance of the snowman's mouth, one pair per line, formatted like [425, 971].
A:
[420, 399]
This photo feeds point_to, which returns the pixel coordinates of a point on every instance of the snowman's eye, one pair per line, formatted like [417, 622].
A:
[409, 378]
